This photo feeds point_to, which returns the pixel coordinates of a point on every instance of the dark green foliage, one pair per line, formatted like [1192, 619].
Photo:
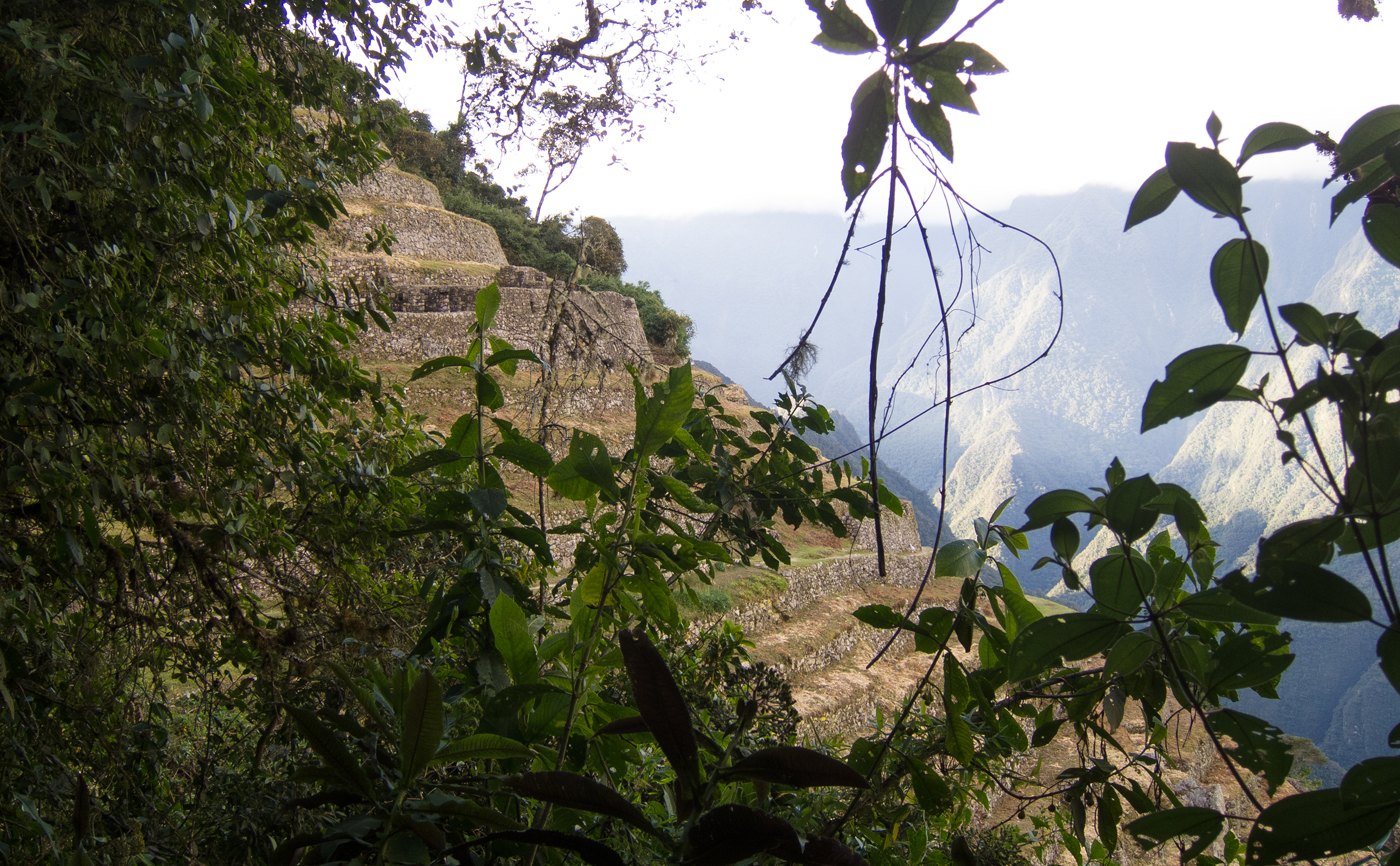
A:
[664, 326]
[546, 245]
[196, 496]
[438, 155]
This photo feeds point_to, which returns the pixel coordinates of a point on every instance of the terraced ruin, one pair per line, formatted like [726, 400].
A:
[799, 618]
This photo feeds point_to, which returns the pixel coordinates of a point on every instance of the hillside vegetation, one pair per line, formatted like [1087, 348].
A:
[269, 598]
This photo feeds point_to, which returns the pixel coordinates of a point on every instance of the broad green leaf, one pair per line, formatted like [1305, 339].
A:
[578, 792]
[488, 301]
[889, 500]
[1373, 782]
[959, 559]
[1368, 138]
[531, 538]
[407, 847]
[955, 57]
[1064, 637]
[488, 393]
[662, 414]
[506, 358]
[1130, 653]
[864, 144]
[661, 704]
[1382, 226]
[1154, 196]
[422, 726]
[1009, 582]
[1023, 614]
[1213, 127]
[490, 502]
[958, 738]
[1181, 505]
[1121, 583]
[1375, 175]
[1299, 590]
[530, 456]
[426, 460]
[936, 624]
[932, 124]
[943, 88]
[842, 30]
[1388, 648]
[1203, 825]
[1273, 138]
[439, 803]
[481, 747]
[1128, 507]
[1310, 324]
[1241, 663]
[1051, 506]
[1046, 732]
[888, 15]
[1311, 541]
[586, 469]
[330, 749]
[463, 436]
[1064, 538]
[1237, 275]
[1171, 575]
[1110, 813]
[1196, 380]
[511, 634]
[1315, 824]
[651, 585]
[1218, 605]
[878, 616]
[1207, 177]
[681, 492]
[1115, 474]
[922, 18]
[1258, 745]
[933, 794]
[956, 692]
[796, 767]
[439, 363]
[1388, 529]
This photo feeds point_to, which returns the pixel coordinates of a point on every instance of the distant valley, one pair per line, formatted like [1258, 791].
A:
[1132, 302]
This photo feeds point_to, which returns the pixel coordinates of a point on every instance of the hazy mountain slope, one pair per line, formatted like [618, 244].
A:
[1231, 461]
[1361, 723]
[1132, 302]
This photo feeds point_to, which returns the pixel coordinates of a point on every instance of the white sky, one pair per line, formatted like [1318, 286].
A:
[1095, 90]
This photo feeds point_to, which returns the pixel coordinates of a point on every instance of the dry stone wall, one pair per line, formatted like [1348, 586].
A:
[390, 184]
[900, 533]
[570, 329]
[420, 232]
[440, 260]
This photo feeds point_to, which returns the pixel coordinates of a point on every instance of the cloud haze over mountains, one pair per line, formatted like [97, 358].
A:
[1132, 302]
